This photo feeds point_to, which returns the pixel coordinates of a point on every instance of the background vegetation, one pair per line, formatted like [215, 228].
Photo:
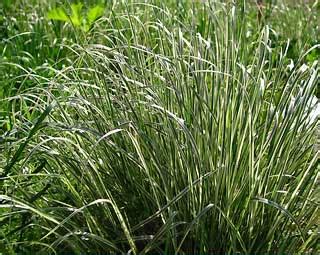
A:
[159, 127]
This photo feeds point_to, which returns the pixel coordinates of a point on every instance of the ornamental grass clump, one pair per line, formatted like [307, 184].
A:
[166, 134]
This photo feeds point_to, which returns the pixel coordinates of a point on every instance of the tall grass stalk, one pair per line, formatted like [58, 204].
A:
[168, 135]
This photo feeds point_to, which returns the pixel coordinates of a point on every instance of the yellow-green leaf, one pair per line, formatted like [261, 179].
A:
[57, 14]
[94, 13]
[76, 14]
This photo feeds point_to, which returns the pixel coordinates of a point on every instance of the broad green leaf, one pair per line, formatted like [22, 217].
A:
[76, 14]
[94, 13]
[57, 14]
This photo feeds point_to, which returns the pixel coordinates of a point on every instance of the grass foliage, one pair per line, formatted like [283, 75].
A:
[172, 128]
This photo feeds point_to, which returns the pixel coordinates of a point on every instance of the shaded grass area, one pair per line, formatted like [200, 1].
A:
[169, 127]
